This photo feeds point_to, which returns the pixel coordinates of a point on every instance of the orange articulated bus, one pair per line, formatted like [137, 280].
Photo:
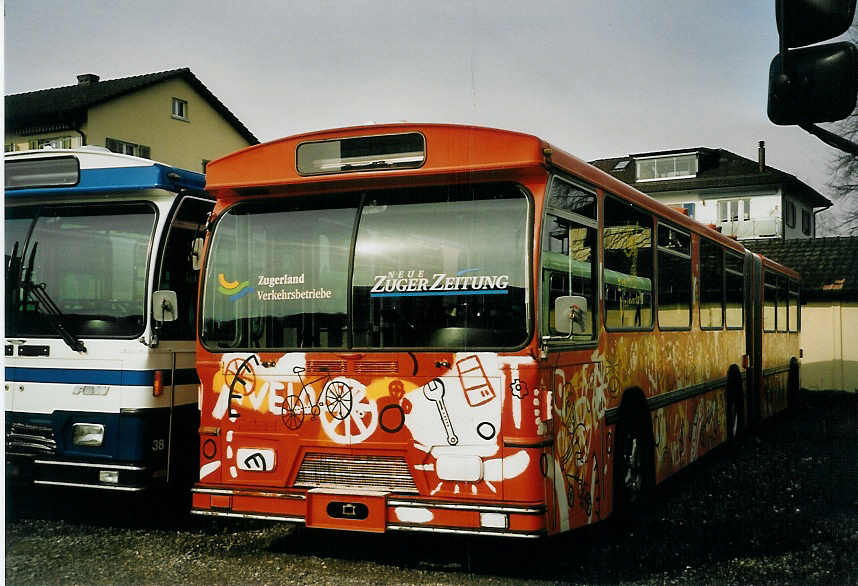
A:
[445, 328]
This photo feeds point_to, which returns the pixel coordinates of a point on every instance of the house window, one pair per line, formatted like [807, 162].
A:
[689, 209]
[205, 164]
[54, 142]
[180, 109]
[733, 210]
[789, 214]
[127, 148]
[723, 212]
[806, 223]
[672, 167]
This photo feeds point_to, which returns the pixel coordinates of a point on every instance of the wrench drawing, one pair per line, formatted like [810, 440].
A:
[434, 391]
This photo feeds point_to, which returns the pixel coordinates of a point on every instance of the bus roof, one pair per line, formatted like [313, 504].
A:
[89, 171]
[449, 149]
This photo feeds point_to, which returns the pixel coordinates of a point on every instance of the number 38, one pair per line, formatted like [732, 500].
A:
[159, 445]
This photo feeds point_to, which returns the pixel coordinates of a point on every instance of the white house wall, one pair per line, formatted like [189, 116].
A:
[795, 231]
[765, 211]
[829, 338]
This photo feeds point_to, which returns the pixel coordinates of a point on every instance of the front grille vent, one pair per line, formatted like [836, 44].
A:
[326, 366]
[387, 473]
[29, 438]
[341, 366]
[389, 367]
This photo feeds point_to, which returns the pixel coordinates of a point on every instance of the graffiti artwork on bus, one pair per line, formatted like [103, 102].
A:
[681, 432]
[579, 407]
[457, 413]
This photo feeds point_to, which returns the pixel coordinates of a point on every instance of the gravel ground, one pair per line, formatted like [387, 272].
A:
[781, 509]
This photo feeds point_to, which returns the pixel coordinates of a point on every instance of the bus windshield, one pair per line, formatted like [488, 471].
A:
[90, 260]
[436, 267]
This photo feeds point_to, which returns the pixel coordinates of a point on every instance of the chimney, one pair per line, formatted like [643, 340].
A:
[87, 79]
[761, 155]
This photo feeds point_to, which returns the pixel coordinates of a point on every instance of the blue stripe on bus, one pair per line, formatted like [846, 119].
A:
[97, 377]
[81, 376]
[110, 180]
[428, 293]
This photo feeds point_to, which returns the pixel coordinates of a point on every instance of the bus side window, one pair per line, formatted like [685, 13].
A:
[783, 295]
[711, 285]
[628, 252]
[569, 255]
[770, 290]
[734, 282]
[674, 277]
[793, 306]
[177, 272]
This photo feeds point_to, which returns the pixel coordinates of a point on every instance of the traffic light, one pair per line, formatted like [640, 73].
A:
[817, 83]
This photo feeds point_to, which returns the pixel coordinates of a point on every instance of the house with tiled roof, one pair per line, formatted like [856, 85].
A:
[169, 116]
[829, 315]
[740, 197]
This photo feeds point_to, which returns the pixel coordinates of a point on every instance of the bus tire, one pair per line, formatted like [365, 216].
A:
[735, 405]
[793, 383]
[634, 458]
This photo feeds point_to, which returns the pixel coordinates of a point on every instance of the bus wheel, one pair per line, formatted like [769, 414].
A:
[735, 404]
[634, 472]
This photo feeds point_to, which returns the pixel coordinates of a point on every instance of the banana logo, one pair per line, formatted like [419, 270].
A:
[226, 284]
[233, 289]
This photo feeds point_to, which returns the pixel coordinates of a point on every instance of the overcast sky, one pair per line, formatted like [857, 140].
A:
[596, 78]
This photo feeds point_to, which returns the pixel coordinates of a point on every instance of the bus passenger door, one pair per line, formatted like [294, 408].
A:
[177, 345]
[569, 315]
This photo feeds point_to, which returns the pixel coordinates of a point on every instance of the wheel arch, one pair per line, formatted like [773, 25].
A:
[793, 382]
[633, 416]
[633, 402]
[734, 403]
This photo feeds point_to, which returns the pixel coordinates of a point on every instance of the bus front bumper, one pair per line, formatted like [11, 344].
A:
[370, 511]
[29, 469]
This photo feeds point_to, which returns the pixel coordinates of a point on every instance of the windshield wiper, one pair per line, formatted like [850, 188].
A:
[13, 276]
[51, 309]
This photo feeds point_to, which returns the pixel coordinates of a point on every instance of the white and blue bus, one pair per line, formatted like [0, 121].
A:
[101, 285]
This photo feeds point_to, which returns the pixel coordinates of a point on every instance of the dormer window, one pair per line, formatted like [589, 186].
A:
[666, 167]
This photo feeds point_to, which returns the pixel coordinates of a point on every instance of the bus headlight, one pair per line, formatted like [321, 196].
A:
[110, 476]
[88, 434]
[462, 468]
[494, 520]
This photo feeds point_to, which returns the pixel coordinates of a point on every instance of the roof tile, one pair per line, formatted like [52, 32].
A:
[828, 266]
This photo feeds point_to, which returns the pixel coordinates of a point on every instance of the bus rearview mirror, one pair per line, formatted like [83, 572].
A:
[569, 311]
[164, 306]
[196, 253]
